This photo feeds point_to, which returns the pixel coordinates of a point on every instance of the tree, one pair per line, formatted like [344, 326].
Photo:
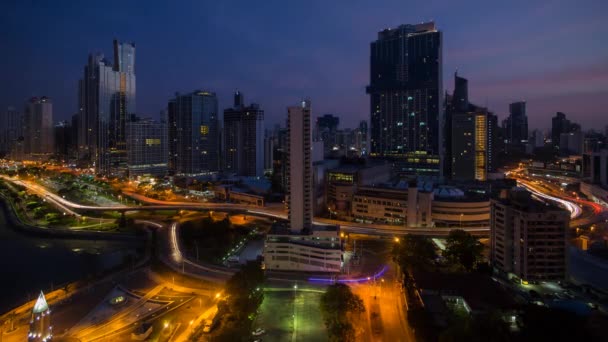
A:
[415, 252]
[463, 250]
[244, 290]
[338, 303]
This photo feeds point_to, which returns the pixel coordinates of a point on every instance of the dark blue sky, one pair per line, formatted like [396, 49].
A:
[551, 53]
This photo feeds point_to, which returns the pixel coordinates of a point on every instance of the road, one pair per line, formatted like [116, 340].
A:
[582, 212]
[385, 308]
[273, 211]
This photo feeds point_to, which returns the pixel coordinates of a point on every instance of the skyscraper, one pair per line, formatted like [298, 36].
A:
[244, 138]
[106, 103]
[471, 137]
[11, 130]
[38, 128]
[147, 148]
[406, 97]
[299, 168]
[517, 124]
[193, 133]
[472, 145]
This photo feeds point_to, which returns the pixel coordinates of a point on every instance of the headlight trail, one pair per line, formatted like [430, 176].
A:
[575, 210]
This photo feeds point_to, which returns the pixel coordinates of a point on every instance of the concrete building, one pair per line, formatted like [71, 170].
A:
[595, 167]
[106, 104]
[193, 130]
[319, 251]
[147, 148]
[38, 128]
[405, 89]
[244, 139]
[300, 246]
[389, 205]
[528, 237]
[571, 143]
[11, 130]
[517, 124]
[472, 145]
[341, 184]
[299, 169]
[63, 139]
[451, 207]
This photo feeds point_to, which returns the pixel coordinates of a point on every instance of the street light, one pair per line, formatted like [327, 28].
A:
[461, 215]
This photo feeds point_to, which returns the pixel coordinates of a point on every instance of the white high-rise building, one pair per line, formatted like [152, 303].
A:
[299, 168]
[300, 246]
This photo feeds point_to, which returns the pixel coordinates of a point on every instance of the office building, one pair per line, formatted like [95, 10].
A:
[147, 151]
[244, 139]
[40, 321]
[406, 98]
[528, 237]
[571, 143]
[472, 145]
[106, 104]
[63, 139]
[318, 251]
[11, 131]
[300, 246]
[517, 124]
[193, 133]
[38, 128]
[270, 142]
[471, 136]
[299, 167]
[361, 139]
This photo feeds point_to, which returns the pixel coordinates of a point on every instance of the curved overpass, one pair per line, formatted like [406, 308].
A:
[276, 212]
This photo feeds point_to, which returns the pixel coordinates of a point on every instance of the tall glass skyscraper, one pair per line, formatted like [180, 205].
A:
[405, 98]
[193, 133]
[106, 102]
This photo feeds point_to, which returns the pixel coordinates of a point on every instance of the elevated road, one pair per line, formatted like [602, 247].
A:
[273, 211]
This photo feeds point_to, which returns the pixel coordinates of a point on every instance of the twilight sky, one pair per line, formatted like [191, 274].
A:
[553, 54]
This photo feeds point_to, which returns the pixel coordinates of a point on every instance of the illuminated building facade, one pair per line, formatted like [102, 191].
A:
[472, 145]
[106, 104]
[147, 148]
[193, 128]
[406, 98]
[40, 321]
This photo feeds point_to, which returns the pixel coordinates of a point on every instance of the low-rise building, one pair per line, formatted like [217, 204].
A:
[342, 183]
[453, 208]
[528, 237]
[317, 251]
[392, 205]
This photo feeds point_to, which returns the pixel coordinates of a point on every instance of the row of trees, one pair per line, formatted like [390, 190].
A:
[244, 295]
[463, 252]
[340, 307]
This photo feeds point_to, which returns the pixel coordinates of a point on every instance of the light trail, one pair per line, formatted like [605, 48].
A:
[575, 210]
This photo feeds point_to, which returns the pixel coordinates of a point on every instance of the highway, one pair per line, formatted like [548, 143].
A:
[273, 211]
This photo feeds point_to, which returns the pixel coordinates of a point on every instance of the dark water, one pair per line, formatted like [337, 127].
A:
[29, 263]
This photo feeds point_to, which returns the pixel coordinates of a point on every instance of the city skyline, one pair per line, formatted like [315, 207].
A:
[327, 61]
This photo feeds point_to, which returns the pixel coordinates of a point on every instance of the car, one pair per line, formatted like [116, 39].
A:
[258, 332]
